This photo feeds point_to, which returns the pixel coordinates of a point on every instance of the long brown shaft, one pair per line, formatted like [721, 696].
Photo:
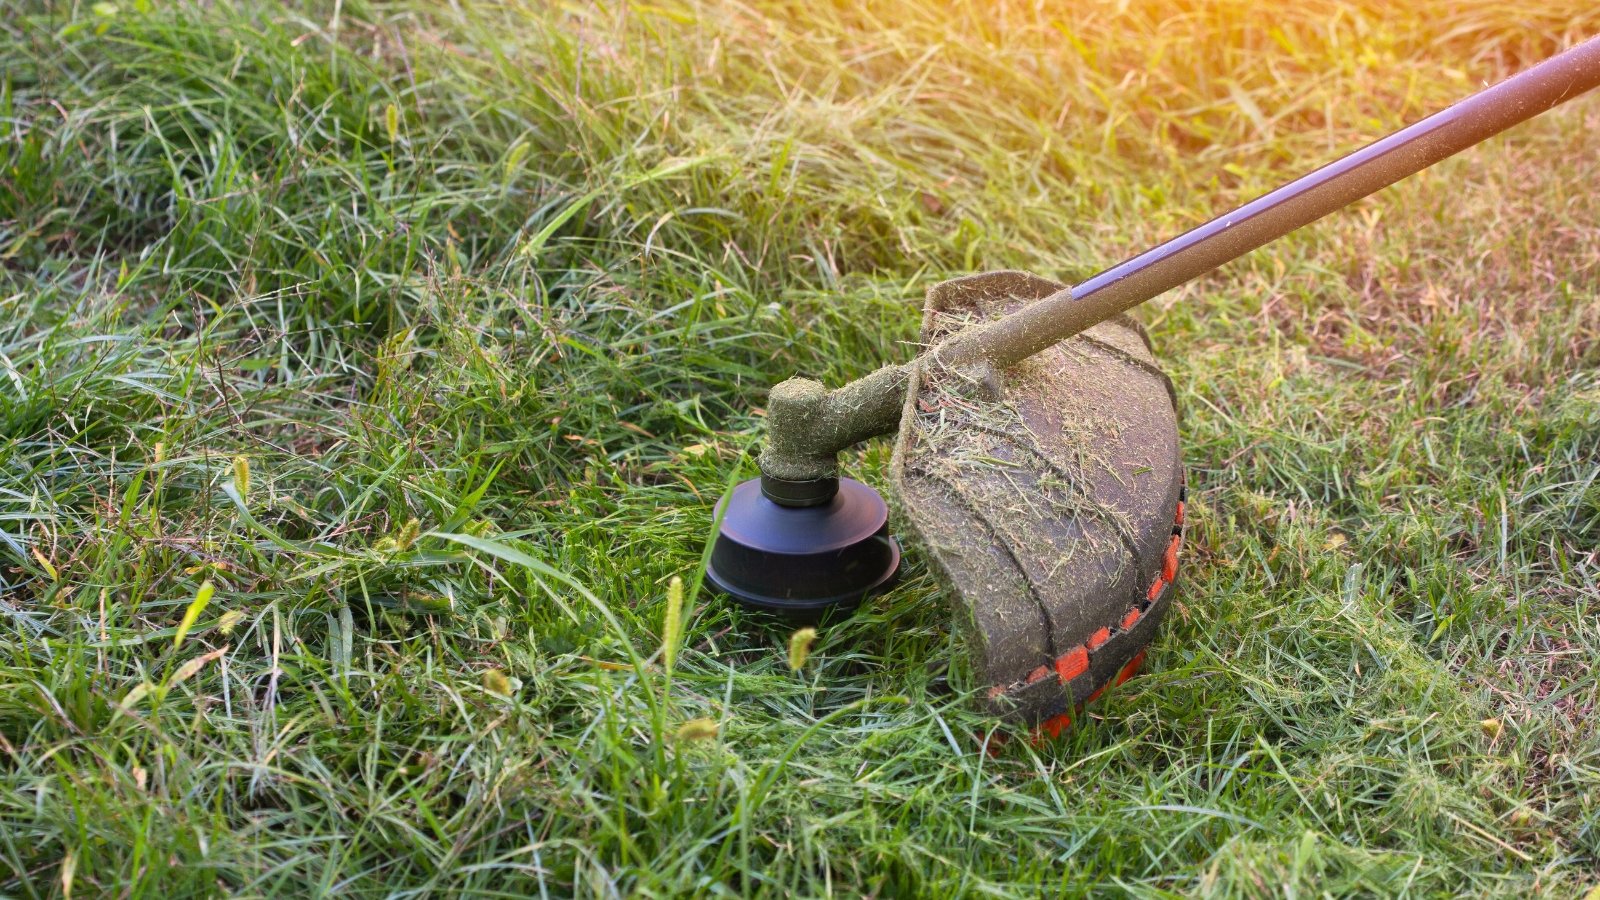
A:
[1233, 234]
[808, 425]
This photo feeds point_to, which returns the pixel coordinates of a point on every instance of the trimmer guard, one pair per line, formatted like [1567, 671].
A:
[1049, 496]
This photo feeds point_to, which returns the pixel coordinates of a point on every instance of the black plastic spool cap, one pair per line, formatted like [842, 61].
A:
[803, 562]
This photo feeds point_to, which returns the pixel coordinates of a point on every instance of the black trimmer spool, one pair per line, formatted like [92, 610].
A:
[804, 563]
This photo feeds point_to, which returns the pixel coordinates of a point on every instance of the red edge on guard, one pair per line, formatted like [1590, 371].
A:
[1075, 662]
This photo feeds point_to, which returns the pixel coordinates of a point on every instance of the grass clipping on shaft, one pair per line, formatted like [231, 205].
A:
[977, 424]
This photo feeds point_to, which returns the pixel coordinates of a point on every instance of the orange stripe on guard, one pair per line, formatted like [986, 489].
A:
[1155, 588]
[1073, 663]
[1132, 668]
[1053, 726]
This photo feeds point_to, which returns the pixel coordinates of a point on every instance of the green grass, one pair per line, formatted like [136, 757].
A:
[488, 296]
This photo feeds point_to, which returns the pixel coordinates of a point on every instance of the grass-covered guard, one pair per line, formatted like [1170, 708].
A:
[369, 370]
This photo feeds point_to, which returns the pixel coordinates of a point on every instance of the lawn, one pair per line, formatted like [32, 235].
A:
[369, 371]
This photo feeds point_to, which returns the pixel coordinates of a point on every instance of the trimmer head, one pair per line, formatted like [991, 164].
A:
[803, 562]
[1049, 496]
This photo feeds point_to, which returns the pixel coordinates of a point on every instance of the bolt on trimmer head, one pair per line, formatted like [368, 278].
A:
[1038, 454]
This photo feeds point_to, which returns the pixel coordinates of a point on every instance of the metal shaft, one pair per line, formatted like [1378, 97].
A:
[808, 425]
[1233, 234]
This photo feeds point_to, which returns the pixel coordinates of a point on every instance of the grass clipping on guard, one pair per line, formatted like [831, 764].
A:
[972, 423]
[1046, 494]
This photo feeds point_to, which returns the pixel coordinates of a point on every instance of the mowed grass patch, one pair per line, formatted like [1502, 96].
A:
[421, 340]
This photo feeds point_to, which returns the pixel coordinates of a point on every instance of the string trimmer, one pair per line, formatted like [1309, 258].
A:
[1038, 456]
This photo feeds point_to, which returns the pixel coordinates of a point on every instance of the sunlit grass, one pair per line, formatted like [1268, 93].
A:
[487, 298]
